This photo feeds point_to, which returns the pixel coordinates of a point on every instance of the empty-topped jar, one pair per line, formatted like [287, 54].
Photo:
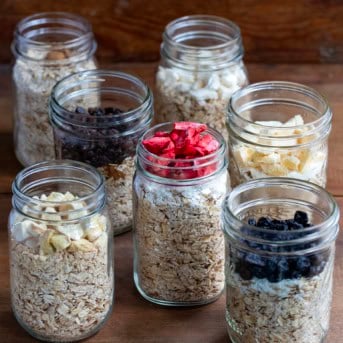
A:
[280, 238]
[98, 117]
[47, 47]
[61, 251]
[278, 129]
[201, 66]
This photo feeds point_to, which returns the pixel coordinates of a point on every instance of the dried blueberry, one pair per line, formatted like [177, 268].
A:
[301, 217]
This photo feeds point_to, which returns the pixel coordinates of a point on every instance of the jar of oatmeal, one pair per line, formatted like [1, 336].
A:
[178, 242]
[278, 129]
[201, 66]
[47, 47]
[97, 118]
[61, 254]
[280, 242]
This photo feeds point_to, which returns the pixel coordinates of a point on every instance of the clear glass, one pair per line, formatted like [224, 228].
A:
[61, 251]
[47, 47]
[279, 282]
[278, 129]
[178, 242]
[201, 66]
[108, 139]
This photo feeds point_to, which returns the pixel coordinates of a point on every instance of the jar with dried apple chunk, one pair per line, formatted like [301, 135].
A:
[201, 67]
[98, 117]
[47, 47]
[60, 251]
[179, 185]
[278, 129]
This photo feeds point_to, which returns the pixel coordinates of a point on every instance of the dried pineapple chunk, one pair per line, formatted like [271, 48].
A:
[60, 242]
[292, 163]
[45, 243]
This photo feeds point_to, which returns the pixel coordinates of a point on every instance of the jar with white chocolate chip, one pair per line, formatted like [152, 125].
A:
[201, 66]
[278, 129]
[61, 251]
[97, 118]
[47, 47]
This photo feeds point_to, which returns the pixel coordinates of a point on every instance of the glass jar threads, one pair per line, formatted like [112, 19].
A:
[61, 251]
[201, 66]
[280, 241]
[278, 129]
[47, 47]
[178, 242]
[98, 117]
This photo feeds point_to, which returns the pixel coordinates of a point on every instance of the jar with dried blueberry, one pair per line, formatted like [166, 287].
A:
[97, 118]
[179, 185]
[280, 242]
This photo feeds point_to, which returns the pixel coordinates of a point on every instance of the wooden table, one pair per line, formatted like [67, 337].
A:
[135, 320]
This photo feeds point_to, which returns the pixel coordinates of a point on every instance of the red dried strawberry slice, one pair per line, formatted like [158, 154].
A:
[156, 144]
[161, 134]
[208, 144]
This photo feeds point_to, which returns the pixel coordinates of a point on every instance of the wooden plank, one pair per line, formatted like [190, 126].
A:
[130, 30]
[135, 320]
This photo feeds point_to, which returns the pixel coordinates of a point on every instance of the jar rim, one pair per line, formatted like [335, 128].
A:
[330, 221]
[84, 35]
[22, 197]
[199, 18]
[201, 162]
[322, 123]
[88, 76]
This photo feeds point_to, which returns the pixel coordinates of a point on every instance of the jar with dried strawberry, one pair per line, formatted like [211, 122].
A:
[179, 185]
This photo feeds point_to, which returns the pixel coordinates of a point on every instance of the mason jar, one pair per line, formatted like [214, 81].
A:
[201, 66]
[47, 47]
[61, 251]
[278, 129]
[97, 118]
[178, 242]
[280, 243]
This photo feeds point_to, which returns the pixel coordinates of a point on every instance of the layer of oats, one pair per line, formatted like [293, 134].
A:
[119, 193]
[179, 243]
[33, 132]
[296, 311]
[62, 296]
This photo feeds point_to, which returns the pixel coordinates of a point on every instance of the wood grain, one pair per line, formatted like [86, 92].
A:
[134, 319]
[276, 31]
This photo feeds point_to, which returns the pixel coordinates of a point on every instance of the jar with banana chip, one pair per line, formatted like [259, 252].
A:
[60, 251]
[278, 129]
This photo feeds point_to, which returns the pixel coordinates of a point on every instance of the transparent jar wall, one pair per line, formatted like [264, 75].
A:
[106, 141]
[199, 72]
[278, 129]
[61, 261]
[279, 291]
[178, 242]
[47, 47]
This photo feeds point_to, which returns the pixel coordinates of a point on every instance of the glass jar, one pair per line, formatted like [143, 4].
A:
[278, 129]
[47, 47]
[97, 118]
[279, 273]
[201, 66]
[61, 251]
[178, 242]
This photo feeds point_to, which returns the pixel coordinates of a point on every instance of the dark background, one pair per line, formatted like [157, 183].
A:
[274, 31]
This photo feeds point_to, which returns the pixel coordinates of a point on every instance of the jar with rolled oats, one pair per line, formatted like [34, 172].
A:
[47, 47]
[201, 66]
[178, 242]
[280, 238]
[61, 252]
[97, 118]
[278, 129]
